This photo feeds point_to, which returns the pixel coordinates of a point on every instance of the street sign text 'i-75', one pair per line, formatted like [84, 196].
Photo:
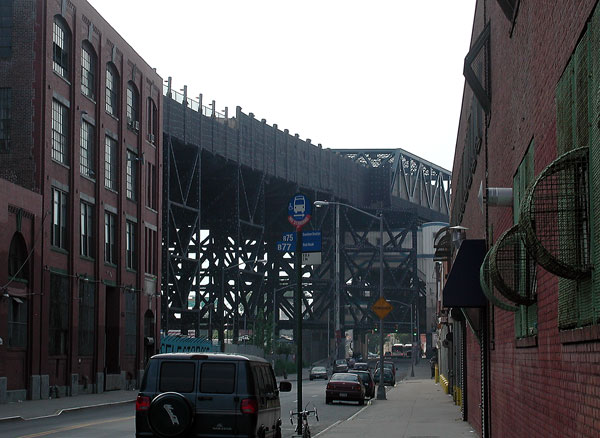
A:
[382, 307]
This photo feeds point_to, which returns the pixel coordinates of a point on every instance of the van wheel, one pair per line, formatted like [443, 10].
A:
[170, 415]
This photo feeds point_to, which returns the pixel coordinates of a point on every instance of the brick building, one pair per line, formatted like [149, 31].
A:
[80, 168]
[525, 361]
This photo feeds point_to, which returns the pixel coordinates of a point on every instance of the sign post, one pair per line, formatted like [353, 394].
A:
[299, 209]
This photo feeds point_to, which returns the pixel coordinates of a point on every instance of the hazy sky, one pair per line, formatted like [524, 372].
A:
[346, 74]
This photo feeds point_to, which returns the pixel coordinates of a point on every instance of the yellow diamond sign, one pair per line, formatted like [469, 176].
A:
[381, 308]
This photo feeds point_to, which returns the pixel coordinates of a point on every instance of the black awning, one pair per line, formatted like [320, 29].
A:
[462, 288]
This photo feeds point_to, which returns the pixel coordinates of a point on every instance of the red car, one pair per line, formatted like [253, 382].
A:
[345, 387]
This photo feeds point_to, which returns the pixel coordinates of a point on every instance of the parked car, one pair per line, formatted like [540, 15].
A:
[388, 377]
[372, 355]
[318, 373]
[390, 366]
[340, 366]
[345, 387]
[208, 394]
[361, 366]
[367, 380]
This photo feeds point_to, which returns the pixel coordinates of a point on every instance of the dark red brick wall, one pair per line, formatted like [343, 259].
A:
[28, 164]
[549, 389]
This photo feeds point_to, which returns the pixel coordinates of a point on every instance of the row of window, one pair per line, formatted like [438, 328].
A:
[59, 318]
[60, 153]
[61, 44]
[59, 234]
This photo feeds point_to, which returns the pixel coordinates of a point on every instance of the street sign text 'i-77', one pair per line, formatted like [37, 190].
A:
[382, 307]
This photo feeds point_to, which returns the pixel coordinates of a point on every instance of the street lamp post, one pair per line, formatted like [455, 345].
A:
[381, 387]
[222, 299]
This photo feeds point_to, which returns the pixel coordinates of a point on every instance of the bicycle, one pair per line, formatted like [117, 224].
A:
[303, 428]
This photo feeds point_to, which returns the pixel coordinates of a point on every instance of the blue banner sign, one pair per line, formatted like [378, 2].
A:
[182, 344]
[311, 242]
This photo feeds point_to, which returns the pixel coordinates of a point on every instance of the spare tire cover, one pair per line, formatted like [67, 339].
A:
[170, 415]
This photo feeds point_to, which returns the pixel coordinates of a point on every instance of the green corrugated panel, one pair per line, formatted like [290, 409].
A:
[594, 166]
[567, 303]
[564, 111]
[532, 314]
[581, 75]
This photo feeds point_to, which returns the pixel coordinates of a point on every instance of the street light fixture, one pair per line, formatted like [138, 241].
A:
[222, 299]
[381, 387]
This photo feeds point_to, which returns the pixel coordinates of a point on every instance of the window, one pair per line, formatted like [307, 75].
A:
[61, 44]
[109, 238]
[151, 262]
[60, 129]
[133, 121]
[87, 314]
[152, 122]
[17, 258]
[58, 232]
[131, 182]
[86, 156]
[130, 253]
[130, 321]
[217, 378]
[151, 194]
[59, 315]
[110, 164]
[526, 316]
[17, 323]
[177, 376]
[87, 230]
[88, 71]
[5, 117]
[509, 7]
[6, 21]
[112, 90]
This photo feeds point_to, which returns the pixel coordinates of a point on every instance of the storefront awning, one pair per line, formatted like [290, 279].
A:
[462, 288]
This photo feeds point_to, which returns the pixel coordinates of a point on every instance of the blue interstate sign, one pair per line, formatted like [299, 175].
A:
[311, 242]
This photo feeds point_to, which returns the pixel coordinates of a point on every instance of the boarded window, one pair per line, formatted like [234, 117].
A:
[526, 316]
[17, 323]
[87, 314]
[578, 300]
[130, 321]
[59, 315]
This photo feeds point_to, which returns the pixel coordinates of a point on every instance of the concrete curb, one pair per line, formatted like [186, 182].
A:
[61, 411]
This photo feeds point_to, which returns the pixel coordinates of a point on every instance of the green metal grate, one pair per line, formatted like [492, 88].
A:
[555, 216]
[512, 269]
[488, 288]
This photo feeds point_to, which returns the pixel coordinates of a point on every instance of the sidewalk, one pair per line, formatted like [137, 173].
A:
[415, 407]
[29, 409]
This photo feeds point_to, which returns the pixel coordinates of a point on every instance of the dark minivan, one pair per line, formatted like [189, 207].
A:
[208, 394]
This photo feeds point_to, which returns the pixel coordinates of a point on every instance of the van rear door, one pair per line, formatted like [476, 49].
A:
[217, 401]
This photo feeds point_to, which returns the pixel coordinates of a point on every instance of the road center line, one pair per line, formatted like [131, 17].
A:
[76, 426]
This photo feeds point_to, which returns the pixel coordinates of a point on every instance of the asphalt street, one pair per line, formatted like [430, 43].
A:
[118, 421]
